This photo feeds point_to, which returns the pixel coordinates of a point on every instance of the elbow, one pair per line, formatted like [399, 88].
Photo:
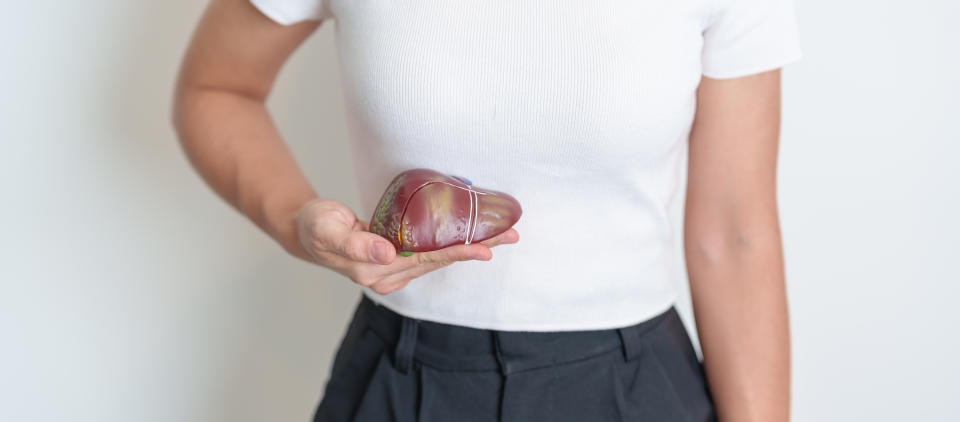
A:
[714, 247]
[722, 245]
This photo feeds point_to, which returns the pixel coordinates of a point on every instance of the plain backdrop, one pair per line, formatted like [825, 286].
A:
[130, 292]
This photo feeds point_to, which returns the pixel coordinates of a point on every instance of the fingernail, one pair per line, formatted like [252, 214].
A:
[380, 252]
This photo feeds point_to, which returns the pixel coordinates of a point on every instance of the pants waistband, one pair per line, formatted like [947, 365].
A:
[458, 348]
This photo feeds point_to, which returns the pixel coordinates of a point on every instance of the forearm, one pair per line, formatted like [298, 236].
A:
[233, 144]
[739, 299]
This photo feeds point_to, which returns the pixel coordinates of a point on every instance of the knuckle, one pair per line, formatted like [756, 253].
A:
[316, 225]
[312, 238]
[319, 246]
[314, 234]
[315, 243]
[356, 250]
[422, 258]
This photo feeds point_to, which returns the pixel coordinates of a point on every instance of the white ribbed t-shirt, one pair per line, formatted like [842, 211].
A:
[581, 110]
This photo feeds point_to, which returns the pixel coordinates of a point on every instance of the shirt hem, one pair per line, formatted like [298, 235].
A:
[535, 327]
[754, 69]
[277, 15]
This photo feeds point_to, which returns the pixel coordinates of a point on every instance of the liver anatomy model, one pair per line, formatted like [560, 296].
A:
[425, 210]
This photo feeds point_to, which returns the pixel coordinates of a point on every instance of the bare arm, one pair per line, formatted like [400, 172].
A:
[230, 139]
[223, 124]
[733, 247]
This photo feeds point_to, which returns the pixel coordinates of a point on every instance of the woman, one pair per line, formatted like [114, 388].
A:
[583, 111]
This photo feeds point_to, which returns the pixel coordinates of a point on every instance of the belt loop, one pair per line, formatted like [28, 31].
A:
[504, 367]
[403, 355]
[631, 347]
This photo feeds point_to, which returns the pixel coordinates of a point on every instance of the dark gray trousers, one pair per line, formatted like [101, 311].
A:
[393, 368]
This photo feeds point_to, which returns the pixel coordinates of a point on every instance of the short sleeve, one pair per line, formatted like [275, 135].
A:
[744, 37]
[288, 12]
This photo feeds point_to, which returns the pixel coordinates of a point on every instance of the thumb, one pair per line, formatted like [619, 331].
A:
[367, 247]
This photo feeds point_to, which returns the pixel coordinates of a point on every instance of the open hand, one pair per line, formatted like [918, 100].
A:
[334, 237]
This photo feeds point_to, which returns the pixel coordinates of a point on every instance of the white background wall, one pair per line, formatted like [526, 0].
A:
[129, 292]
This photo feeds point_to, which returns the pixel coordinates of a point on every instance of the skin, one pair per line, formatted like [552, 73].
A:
[733, 247]
[731, 228]
[224, 128]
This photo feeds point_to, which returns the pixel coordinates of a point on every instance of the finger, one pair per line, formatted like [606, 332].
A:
[424, 262]
[362, 246]
[479, 251]
[507, 237]
[329, 224]
[448, 254]
[397, 281]
[454, 253]
[400, 279]
[384, 287]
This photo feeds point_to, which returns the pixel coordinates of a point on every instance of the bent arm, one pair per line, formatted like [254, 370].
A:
[223, 125]
[733, 247]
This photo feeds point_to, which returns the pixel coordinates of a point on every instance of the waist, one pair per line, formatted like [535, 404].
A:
[454, 347]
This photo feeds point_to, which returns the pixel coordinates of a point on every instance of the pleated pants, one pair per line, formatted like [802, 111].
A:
[393, 368]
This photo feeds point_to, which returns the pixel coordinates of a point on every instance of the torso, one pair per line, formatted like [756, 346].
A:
[579, 110]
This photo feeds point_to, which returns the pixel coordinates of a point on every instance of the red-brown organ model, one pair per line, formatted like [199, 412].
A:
[425, 210]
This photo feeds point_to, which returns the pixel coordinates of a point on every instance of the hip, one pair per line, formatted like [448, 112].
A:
[393, 367]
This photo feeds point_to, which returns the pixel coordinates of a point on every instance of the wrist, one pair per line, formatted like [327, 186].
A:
[280, 217]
